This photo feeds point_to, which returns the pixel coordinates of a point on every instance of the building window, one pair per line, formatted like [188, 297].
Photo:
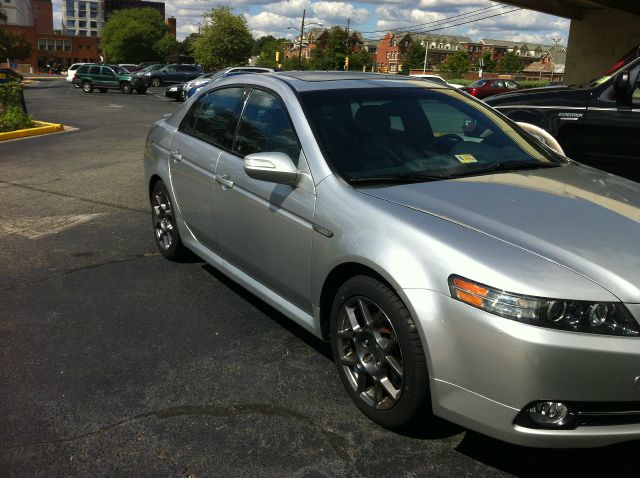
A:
[42, 44]
[59, 46]
[94, 24]
[82, 33]
[95, 34]
[82, 24]
[67, 45]
[71, 23]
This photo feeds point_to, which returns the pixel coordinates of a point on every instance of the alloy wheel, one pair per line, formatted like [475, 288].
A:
[369, 353]
[163, 222]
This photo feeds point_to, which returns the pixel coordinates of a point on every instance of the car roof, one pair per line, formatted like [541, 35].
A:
[328, 80]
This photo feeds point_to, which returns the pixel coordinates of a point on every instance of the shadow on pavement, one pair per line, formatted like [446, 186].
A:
[616, 460]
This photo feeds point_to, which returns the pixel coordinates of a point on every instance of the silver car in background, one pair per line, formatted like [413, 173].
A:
[457, 265]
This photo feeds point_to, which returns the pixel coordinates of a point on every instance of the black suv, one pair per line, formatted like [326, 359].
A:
[107, 77]
[175, 73]
[597, 124]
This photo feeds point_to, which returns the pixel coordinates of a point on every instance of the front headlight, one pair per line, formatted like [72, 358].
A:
[606, 318]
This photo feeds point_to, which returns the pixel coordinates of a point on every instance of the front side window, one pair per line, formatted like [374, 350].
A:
[266, 126]
[636, 91]
[377, 132]
[214, 116]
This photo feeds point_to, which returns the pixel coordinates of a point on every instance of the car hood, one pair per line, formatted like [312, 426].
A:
[581, 218]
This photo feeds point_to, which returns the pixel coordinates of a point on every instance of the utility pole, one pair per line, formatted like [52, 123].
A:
[301, 35]
[346, 59]
[426, 50]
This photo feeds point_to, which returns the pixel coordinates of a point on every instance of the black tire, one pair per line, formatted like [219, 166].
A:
[87, 87]
[103, 90]
[141, 91]
[370, 355]
[126, 88]
[165, 228]
[182, 96]
[155, 81]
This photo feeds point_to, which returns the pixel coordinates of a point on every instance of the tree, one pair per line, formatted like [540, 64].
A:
[359, 60]
[414, 58]
[186, 47]
[167, 45]
[266, 48]
[132, 35]
[457, 64]
[510, 63]
[225, 40]
[15, 47]
[330, 54]
[489, 64]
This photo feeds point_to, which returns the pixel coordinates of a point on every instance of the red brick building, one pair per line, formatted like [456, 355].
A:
[50, 48]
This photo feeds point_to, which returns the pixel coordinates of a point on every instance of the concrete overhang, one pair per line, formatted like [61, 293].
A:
[576, 9]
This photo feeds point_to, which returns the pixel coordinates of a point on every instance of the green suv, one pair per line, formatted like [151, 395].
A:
[106, 77]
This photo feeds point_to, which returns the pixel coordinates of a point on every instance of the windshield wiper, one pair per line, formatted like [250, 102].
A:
[398, 178]
[505, 166]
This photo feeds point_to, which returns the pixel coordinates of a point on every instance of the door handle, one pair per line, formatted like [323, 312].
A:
[224, 181]
[175, 155]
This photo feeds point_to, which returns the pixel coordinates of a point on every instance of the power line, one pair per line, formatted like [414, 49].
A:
[453, 25]
[412, 27]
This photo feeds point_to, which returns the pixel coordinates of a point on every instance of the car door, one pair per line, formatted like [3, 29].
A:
[266, 228]
[611, 131]
[108, 78]
[206, 129]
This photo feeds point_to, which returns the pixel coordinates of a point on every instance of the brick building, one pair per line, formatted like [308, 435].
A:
[50, 48]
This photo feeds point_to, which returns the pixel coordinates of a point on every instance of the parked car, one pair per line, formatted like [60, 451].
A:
[107, 77]
[175, 91]
[174, 73]
[190, 88]
[436, 79]
[485, 88]
[71, 71]
[484, 278]
[130, 67]
[597, 123]
[8, 75]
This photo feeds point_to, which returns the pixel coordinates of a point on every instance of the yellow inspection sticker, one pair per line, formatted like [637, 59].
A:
[466, 158]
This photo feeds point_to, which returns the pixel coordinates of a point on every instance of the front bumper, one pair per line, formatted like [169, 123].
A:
[486, 369]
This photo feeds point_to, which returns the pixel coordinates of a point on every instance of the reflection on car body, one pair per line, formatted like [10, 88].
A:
[465, 271]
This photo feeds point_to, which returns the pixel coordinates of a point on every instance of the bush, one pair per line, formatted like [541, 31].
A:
[533, 83]
[14, 118]
[12, 113]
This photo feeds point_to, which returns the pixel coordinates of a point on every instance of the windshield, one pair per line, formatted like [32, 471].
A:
[119, 70]
[387, 132]
[150, 68]
[478, 84]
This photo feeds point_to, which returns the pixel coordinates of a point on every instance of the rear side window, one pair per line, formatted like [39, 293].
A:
[94, 70]
[186, 68]
[213, 117]
[83, 69]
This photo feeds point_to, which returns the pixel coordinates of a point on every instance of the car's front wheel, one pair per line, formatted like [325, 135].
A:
[87, 87]
[378, 353]
[164, 224]
[155, 81]
[126, 88]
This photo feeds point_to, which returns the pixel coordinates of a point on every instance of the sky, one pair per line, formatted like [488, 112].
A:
[473, 18]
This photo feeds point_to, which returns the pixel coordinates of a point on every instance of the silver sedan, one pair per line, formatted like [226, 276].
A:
[458, 266]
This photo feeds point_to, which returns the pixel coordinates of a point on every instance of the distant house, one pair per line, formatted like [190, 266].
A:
[313, 38]
[549, 67]
[527, 52]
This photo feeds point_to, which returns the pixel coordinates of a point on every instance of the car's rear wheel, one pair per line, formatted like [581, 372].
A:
[126, 88]
[87, 87]
[155, 81]
[182, 96]
[164, 224]
[378, 353]
[103, 90]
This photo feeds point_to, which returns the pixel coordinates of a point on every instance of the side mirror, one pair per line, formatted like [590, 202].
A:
[543, 136]
[271, 167]
[621, 85]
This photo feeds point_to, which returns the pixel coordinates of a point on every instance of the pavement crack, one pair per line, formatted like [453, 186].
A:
[134, 257]
[70, 196]
[338, 443]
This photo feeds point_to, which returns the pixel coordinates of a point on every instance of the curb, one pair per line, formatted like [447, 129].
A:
[41, 128]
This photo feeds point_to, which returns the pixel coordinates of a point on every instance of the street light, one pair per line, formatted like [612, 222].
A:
[301, 34]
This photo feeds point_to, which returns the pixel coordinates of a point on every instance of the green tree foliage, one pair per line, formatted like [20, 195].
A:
[132, 35]
[510, 63]
[414, 58]
[16, 47]
[186, 46]
[12, 113]
[266, 48]
[167, 45]
[225, 40]
[359, 60]
[489, 64]
[457, 64]
[330, 55]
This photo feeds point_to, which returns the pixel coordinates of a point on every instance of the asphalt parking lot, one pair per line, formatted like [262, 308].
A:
[117, 362]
